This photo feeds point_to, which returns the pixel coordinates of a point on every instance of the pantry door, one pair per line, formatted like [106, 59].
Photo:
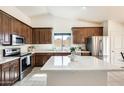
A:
[117, 45]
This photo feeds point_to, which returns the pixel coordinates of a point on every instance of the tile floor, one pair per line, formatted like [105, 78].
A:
[38, 78]
[35, 78]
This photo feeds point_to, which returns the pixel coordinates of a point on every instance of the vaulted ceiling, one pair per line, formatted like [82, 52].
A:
[89, 13]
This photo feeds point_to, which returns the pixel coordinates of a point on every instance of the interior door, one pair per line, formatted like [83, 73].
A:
[117, 45]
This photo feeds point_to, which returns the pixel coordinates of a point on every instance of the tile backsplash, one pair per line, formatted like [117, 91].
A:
[38, 47]
[51, 46]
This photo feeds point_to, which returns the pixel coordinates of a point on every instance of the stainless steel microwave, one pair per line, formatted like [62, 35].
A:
[17, 40]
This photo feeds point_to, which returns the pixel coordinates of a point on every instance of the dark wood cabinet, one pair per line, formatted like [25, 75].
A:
[41, 59]
[85, 54]
[27, 33]
[1, 31]
[5, 74]
[10, 25]
[21, 29]
[47, 36]
[61, 54]
[9, 72]
[33, 60]
[42, 35]
[16, 27]
[80, 34]
[36, 36]
[6, 28]
[14, 71]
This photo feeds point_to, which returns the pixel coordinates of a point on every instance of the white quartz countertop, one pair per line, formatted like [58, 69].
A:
[80, 63]
[7, 59]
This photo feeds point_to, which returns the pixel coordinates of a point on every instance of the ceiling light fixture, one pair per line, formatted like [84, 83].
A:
[83, 7]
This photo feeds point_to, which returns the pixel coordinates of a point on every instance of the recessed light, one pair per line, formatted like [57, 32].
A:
[83, 7]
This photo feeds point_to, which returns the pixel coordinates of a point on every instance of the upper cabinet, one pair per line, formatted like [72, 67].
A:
[1, 32]
[80, 34]
[16, 27]
[6, 28]
[22, 29]
[10, 25]
[42, 35]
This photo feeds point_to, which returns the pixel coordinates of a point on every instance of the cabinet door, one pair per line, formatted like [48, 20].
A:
[42, 37]
[33, 60]
[77, 37]
[5, 74]
[1, 32]
[16, 70]
[12, 72]
[16, 27]
[85, 54]
[80, 34]
[36, 36]
[28, 37]
[48, 36]
[39, 60]
[46, 58]
[6, 28]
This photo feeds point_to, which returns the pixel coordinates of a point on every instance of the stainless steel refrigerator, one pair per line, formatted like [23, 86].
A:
[98, 45]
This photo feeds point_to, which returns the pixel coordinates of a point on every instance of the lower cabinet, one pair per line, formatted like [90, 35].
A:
[41, 59]
[85, 54]
[9, 73]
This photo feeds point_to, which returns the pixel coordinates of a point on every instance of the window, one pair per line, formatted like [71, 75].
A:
[62, 41]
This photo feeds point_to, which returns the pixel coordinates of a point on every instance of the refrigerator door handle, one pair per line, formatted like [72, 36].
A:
[100, 47]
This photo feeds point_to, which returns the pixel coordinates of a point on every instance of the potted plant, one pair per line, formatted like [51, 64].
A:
[72, 50]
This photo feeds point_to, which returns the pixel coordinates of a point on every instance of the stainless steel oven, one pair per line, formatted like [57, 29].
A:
[17, 40]
[25, 65]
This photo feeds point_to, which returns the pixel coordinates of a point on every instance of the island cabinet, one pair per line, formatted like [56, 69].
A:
[80, 34]
[9, 72]
[42, 35]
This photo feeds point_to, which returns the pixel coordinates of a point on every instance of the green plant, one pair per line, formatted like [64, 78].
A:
[79, 48]
[72, 49]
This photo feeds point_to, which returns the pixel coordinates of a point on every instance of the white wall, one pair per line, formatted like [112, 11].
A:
[13, 11]
[115, 27]
[59, 25]
[111, 28]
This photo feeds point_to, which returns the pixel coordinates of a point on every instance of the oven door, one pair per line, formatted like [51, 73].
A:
[25, 62]
[17, 40]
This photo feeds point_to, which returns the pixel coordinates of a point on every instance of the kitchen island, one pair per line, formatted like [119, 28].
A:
[84, 70]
